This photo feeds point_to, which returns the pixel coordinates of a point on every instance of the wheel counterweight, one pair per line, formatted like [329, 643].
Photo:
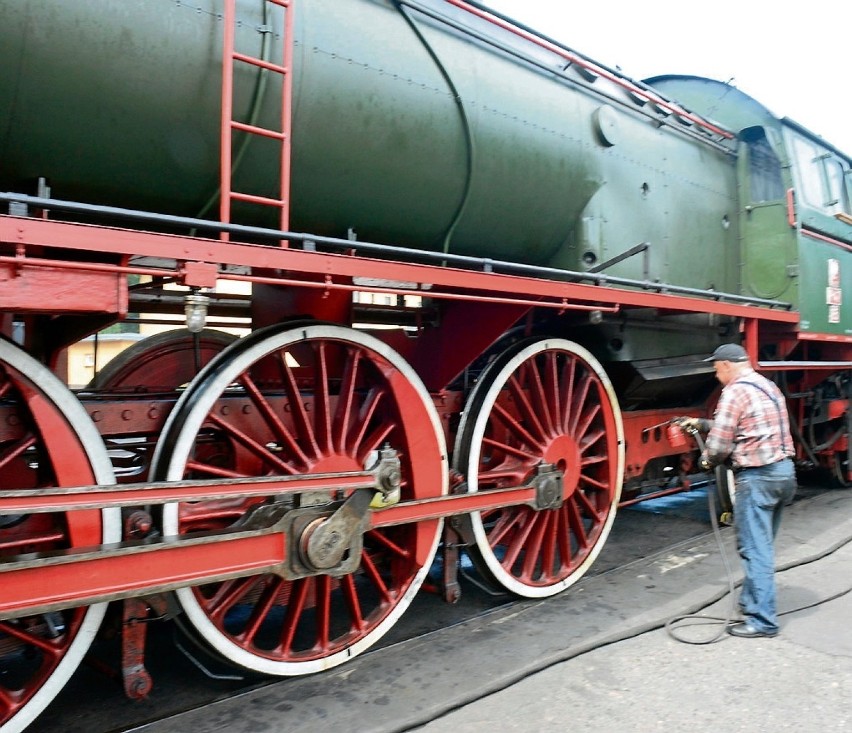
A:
[291, 401]
[47, 441]
[545, 401]
[161, 363]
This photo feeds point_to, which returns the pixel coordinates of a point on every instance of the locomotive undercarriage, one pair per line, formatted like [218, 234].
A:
[821, 425]
[289, 487]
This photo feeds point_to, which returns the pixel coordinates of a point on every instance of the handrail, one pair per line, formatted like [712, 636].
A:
[404, 254]
[571, 57]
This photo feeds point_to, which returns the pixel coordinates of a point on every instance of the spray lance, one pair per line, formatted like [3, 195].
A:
[724, 494]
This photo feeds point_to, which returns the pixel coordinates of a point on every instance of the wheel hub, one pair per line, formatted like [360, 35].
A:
[332, 544]
[564, 453]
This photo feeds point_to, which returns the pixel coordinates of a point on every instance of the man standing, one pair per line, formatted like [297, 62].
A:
[751, 428]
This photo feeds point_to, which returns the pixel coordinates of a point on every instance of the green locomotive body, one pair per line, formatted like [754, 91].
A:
[413, 131]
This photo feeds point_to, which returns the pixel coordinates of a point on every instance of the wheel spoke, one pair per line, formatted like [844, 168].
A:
[279, 429]
[509, 475]
[227, 595]
[322, 589]
[295, 610]
[527, 411]
[389, 546]
[518, 540]
[590, 438]
[563, 536]
[259, 450]
[525, 455]
[579, 402]
[371, 443]
[506, 522]
[210, 470]
[353, 603]
[304, 431]
[370, 408]
[47, 646]
[593, 460]
[373, 573]
[587, 480]
[260, 611]
[322, 398]
[533, 545]
[515, 427]
[583, 503]
[569, 373]
[549, 544]
[14, 451]
[551, 392]
[575, 522]
[538, 393]
[346, 400]
[586, 421]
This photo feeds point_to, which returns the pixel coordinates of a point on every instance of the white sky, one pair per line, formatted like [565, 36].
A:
[794, 58]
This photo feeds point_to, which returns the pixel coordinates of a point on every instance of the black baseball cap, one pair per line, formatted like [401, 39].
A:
[729, 352]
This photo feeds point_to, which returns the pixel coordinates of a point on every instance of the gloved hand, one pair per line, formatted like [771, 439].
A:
[691, 424]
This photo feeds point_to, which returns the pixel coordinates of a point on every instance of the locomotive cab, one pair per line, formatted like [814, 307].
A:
[795, 206]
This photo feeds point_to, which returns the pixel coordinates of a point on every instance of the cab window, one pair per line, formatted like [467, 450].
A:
[822, 177]
[764, 168]
[837, 190]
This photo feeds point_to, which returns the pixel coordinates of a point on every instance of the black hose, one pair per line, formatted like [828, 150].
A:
[698, 619]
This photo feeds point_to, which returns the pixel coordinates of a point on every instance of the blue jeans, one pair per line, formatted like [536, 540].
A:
[761, 494]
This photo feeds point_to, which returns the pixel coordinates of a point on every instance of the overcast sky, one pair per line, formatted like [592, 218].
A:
[796, 59]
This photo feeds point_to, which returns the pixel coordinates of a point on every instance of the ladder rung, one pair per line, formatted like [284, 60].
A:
[252, 199]
[281, 3]
[260, 62]
[254, 130]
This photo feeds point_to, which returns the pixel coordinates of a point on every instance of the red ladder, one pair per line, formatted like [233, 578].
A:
[230, 57]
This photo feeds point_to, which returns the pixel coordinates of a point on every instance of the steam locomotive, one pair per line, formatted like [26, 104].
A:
[472, 273]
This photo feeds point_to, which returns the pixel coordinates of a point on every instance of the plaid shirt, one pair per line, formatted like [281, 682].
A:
[749, 426]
